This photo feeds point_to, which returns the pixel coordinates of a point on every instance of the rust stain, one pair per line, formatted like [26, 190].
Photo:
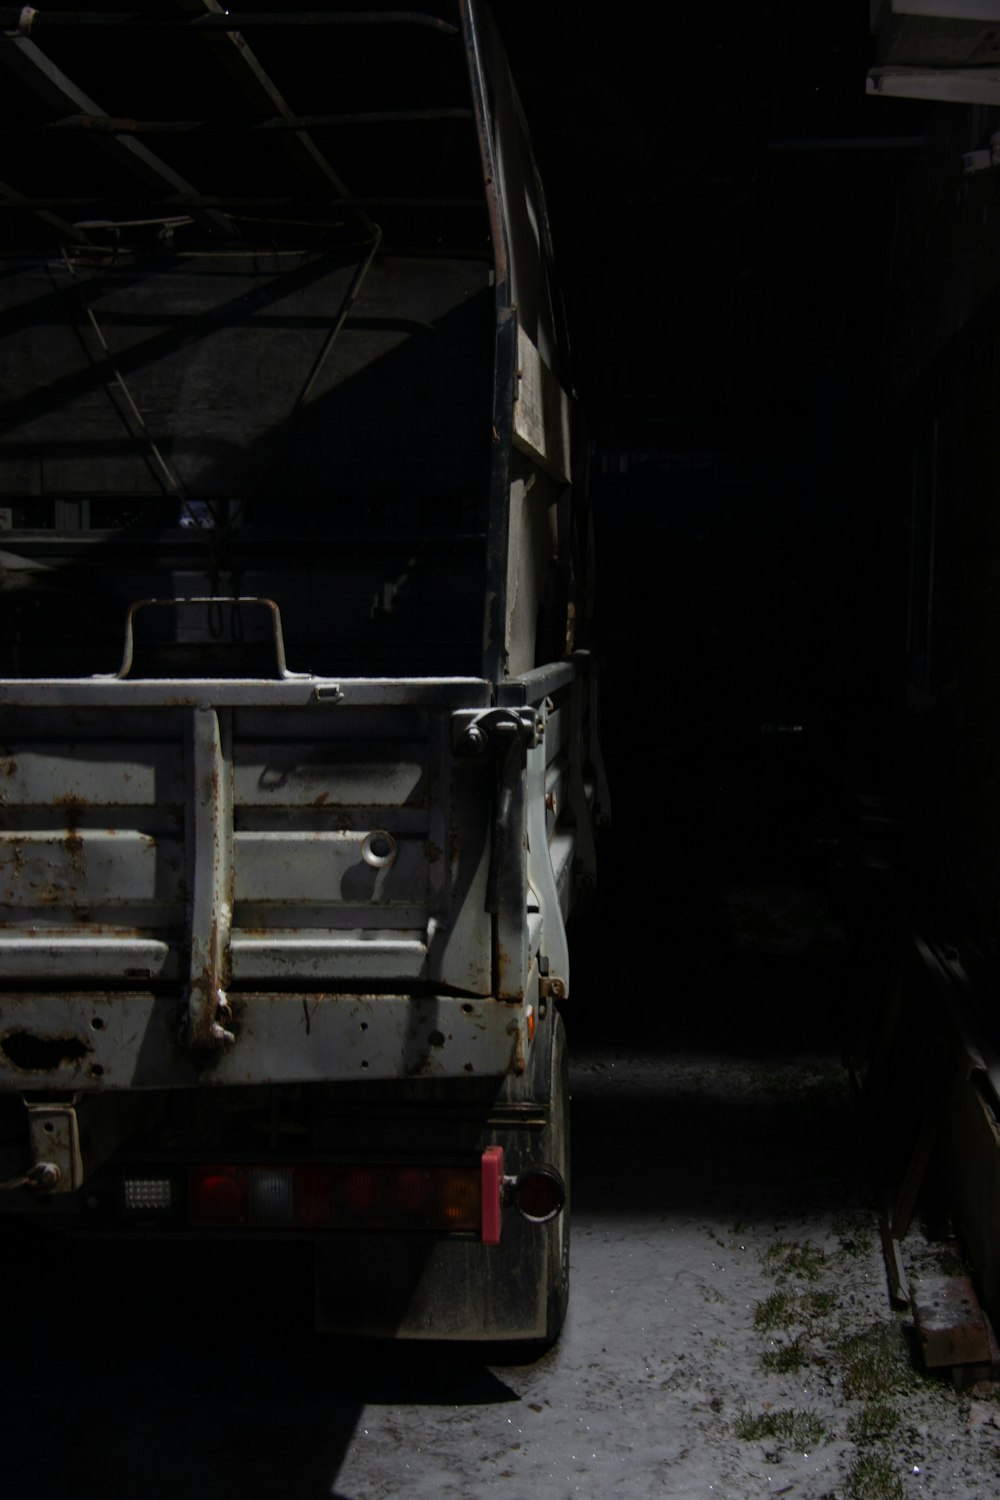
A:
[321, 800]
[8, 766]
[73, 844]
[432, 851]
[517, 1058]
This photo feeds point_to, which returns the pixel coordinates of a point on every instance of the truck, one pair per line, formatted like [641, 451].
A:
[283, 937]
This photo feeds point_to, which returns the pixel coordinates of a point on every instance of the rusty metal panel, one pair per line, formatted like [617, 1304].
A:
[55, 954]
[349, 836]
[81, 773]
[75, 1041]
[103, 867]
[326, 957]
[292, 831]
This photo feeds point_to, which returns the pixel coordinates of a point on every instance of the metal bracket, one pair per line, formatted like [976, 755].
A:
[554, 981]
[68, 1141]
[54, 1140]
[508, 734]
[477, 732]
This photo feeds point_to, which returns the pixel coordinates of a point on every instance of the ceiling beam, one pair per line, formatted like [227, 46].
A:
[61, 94]
[26, 19]
[263, 94]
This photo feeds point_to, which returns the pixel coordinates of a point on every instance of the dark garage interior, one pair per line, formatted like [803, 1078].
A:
[781, 296]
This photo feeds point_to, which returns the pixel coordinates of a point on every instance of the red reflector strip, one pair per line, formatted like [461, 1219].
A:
[492, 1173]
[341, 1197]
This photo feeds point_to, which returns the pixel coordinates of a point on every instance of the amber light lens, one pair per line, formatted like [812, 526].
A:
[459, 1200]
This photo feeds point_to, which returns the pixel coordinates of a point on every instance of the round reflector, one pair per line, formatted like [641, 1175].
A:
[540, 1194]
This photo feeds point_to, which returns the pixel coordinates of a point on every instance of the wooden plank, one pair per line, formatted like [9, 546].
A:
[951, 1327]
[542, 412]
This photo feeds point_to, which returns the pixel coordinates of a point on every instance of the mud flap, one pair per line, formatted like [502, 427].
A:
[405, 1286]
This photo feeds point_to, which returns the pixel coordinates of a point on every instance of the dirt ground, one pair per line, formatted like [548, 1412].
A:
[730, 1331]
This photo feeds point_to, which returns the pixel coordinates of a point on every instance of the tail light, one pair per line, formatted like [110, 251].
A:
[462, 1199]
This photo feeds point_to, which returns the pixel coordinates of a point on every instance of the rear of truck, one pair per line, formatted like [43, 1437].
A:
[282, 940]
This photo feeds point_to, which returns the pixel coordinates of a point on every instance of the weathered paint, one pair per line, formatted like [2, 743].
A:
[280, 1038]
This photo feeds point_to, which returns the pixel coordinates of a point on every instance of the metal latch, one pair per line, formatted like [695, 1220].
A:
[476, 732]
[508, 734]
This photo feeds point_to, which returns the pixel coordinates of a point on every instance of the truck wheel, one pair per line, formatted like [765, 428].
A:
[556, 1150]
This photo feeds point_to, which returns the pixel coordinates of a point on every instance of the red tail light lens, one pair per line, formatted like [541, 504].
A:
[218, 1195]
[339, 1197]
[412, 1192]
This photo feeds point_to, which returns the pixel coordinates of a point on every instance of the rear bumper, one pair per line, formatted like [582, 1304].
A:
[97, 1042]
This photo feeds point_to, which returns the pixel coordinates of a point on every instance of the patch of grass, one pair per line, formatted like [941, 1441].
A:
[856, 1235]
[799, 1430]
[787, 1310]
[873, 1476]
[776, 1311]
[785, 1358]
[785, 1258]
[875, 1420]
[875, 1363]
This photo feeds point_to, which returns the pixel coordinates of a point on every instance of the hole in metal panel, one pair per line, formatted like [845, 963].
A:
[41, 1054]
[378, 848]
